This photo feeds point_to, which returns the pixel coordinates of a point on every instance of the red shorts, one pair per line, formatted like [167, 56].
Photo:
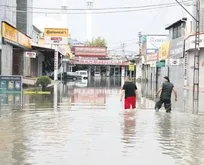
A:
[130, 102]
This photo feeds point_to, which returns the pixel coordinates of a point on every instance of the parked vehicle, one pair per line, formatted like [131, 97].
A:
[97, 74]
[82, 73]
[67, 76]
[72, 76]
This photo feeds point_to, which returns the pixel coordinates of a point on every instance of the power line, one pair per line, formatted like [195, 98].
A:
[108, 8]
[139, 8]
[186, 10]
[105, 12]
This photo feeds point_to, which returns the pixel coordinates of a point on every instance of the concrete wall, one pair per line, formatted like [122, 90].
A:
[24, 19]
[7, 59]
[191, 65]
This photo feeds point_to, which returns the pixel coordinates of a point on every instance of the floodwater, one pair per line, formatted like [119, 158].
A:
[84, 123]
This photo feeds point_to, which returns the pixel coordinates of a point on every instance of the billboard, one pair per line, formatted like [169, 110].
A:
[154, 42]
[56, 36]
[176, 48]
[164, 50]
[11, 84]
[89, 51]
[11, 90]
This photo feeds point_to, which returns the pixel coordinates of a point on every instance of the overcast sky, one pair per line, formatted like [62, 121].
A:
[115, 28]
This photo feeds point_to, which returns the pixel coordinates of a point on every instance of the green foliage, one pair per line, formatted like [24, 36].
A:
[97, 42]
[44, 81]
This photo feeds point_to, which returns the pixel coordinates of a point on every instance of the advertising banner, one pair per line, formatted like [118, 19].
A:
[56, 36]
[164, 51]
[10, 84]
[154, 42]
[11, 90]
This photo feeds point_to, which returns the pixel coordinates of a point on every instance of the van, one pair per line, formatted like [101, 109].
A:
[83, 74]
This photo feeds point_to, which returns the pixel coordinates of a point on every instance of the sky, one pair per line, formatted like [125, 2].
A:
[116, 28]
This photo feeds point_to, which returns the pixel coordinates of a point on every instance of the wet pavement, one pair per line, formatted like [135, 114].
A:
[83, 123]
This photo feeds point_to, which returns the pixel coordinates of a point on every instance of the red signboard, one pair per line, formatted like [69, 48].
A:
[96, 61]
[87, 51]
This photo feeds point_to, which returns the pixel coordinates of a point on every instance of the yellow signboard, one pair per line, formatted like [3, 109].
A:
[164, 51]
[24, 40]
[131, 67]
[9, 33]
[56, 32]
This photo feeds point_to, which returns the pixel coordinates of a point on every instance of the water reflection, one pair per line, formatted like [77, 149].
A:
[90, 127]
[129, 127]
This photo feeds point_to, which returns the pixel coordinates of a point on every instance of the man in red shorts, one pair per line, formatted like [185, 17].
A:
[130, 90]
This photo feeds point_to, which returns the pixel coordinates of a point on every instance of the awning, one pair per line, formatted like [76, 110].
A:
[42, 49]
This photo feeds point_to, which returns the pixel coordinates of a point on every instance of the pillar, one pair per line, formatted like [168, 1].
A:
[7, 60]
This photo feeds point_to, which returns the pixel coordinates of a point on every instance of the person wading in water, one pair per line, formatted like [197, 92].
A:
[129, 89]
[165, 97]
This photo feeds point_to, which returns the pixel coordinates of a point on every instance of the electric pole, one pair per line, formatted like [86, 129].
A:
[196, 61]
[196, 55]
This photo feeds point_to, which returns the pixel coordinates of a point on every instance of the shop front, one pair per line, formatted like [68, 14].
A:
[14, 46]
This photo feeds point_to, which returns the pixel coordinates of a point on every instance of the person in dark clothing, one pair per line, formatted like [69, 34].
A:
[129, 89]
[165, 97]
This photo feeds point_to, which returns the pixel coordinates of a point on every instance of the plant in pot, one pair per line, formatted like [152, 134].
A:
[43, 81]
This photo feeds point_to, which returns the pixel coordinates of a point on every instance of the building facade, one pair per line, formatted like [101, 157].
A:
[15, 39]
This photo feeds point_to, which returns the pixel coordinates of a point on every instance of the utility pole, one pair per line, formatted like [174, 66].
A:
[196, 61]
[196, 55]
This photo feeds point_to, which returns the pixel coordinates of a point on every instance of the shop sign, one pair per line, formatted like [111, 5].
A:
[56, 36]
[9, 33]
[131, 67]
[176, 48]
[152, 57]
[190, 42]
[160, 64]
[24, 40]
[13, 36]
[96, 61]
[30, 54]
[174, 61]
[90, 51]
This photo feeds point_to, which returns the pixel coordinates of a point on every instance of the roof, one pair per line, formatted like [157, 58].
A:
[43, 49]
[176, 23]
[36, 29]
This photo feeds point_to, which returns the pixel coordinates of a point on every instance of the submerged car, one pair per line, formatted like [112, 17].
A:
[82, 73]
[69, 76]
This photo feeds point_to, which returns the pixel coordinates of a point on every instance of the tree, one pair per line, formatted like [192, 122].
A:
[43, 81]
[97, 42]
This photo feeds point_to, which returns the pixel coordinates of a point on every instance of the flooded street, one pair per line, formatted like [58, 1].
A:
[84, 123]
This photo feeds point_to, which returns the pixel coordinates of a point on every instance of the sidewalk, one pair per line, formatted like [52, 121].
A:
[30, 81]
